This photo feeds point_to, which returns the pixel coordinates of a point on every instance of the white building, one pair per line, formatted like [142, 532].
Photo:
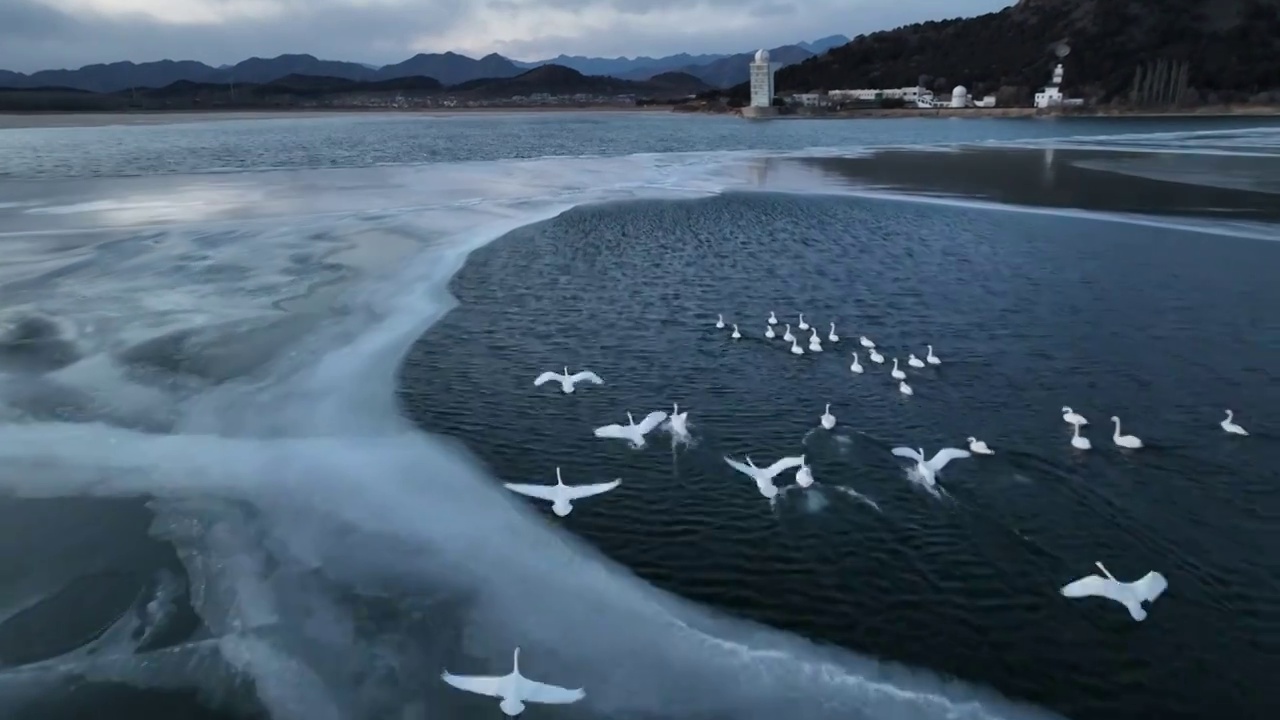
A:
[1051, 95]
[809, 99]
[761, 80]
[960, 97]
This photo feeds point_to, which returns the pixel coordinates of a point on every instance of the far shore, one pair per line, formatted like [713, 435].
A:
[1011, 112]
[160, 117]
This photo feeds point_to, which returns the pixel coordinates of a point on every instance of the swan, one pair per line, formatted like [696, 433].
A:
[1073, 417]
[1130, 594]
[787, 335]
[866, 343]
[1078, 441]
[803, 325]
[905, 389]
[773, 319]
[769, 333]
[876, 357]
[815, 343]
[566, 380]
[1230, 426]
[855, 366]
[978, 447]
[1124, 441]
[795, 348]
[804, 475]
[764, 476]
[631, 431]
[929, 469]
[828, 420]
[914, 361]
[736, 335]
[931, 358]
[719, 322]
[678, 424]
[832, 336]
[514, 689]
[896, 373]
[560, 495]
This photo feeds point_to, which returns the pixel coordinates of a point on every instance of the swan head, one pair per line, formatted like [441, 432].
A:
[1229, 414]
[1066, 410]
[1115, 419]
[833, 326]
[911, 356]
[921, 451]
[801, 316]
[971, 439]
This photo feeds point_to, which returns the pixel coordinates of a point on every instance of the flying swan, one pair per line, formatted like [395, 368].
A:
[1230, 425]
[1130, 594]
[764, 476]
[929, 469]
[566, 380]
[677, 424]
[560, 495]
[632, 432]
[514, 689]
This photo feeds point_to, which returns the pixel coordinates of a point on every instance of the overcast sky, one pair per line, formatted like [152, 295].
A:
[39, 34]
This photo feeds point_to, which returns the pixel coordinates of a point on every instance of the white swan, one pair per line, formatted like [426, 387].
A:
[719, 322]
[769, 333]
[929, 469]
[855, 366]
[866, 343]
[832, 336]
[876, 357]
[978, 447]
[566, 380]
[828, 420]
[795, 348]
[787, 335]
[631, 431]
[1230, 426]
[1124, 441]
[561, 496]
[514, 689]
[764, 476]
[736, 335]
[678, 424]
[803, 325]
[815, 343]
[897, 374]
[931, 358]
[804, 475]
[773, 319]
[905, 389]
[1130, 594]
[914, 361]
[1078, 441]
[1073, 417]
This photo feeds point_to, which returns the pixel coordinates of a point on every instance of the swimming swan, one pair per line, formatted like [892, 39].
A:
[1073, 417]
[832, 336]
[897, 374]
[795, 348]
[769, 333]
[929, 469]
[561, 496]
[828, 420]
[787, 335]
[1230, 426]
[876, 357]
[803, 325]
[764, 476]
[773, 319]
[866, 343]
[1078, 441]
[1124, 441]
[514, 689]
[978, 447]
[566, 380]
[631, 431]
[914, 361]
[855, 366]
[736, 335]
[719, 322]
[931, 358]
[1130, 594]
[905, 389]
[815, 343]
[804, 475]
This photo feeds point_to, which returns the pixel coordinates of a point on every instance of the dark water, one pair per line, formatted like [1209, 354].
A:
[1162, 327]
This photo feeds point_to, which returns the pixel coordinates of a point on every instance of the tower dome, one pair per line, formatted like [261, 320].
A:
[960, 97]
[762, 56]
[960, 90]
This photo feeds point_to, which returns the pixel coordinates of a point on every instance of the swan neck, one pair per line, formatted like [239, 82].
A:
[515, 662]
[630, 419]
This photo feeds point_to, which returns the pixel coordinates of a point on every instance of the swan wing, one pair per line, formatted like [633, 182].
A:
[574, 492]
[539, 692]
[946, 455]
[1150, 586]
[741, 467]
[612, 431]
[478, 684]
[783, 464]
[547, 377]
[1095, 586]
[586, 375]
[651, 421]
[542, 492]
[908, 453]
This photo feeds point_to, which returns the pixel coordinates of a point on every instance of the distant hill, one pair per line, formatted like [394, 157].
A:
[559, 80]
[1229, 48]
[732, 70]
[624, 67]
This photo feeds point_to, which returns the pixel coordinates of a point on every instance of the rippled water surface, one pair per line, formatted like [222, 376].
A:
[254, 424]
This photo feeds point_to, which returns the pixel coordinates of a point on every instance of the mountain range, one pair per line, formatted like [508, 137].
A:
[448, 68]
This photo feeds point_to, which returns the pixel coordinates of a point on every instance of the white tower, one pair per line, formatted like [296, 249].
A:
[761, 80]
[1057, 75]
[960, 97]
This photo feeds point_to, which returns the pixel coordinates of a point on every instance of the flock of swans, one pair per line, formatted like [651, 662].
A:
[514, 689]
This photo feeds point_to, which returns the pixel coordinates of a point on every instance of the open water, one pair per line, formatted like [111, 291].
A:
[260, 382]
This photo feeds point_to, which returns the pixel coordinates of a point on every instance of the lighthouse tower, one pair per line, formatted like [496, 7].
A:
[761, 80]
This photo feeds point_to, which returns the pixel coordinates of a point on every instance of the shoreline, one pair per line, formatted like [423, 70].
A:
[1216, 111]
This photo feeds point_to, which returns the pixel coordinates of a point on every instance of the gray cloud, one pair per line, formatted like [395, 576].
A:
[35, 35]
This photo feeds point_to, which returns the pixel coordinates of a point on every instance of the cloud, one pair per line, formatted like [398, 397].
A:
[39, 34]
